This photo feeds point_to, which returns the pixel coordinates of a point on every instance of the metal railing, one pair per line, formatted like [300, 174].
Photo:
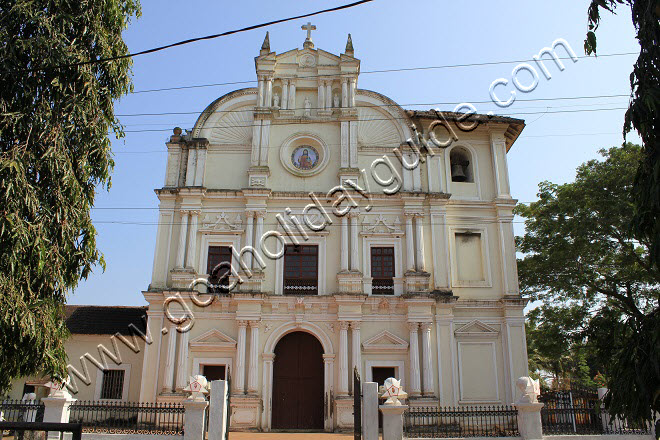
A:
[294, 286]
[461, 421]
[583, 421]
[382, 286]
[128, 417]
[21, 411]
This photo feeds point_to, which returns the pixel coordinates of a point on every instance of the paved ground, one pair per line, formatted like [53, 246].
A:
[288, 436]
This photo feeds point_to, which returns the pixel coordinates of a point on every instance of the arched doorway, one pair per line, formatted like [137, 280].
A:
[298, 382]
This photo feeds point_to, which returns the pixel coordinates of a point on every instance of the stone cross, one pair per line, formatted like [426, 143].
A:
[309, 27]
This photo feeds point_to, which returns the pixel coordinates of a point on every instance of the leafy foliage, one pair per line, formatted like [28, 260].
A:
[54, 151]
[644, 111]
[598, 285]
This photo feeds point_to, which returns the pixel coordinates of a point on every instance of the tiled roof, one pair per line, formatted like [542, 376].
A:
[104, 320]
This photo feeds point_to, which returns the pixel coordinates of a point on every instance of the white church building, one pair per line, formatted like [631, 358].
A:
[370, 237]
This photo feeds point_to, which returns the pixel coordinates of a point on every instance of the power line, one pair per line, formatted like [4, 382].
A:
[194, 40]
[400, 69]
[384, 105]
[321, 121]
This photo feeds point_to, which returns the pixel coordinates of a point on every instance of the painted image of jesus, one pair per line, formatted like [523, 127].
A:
[305, 158]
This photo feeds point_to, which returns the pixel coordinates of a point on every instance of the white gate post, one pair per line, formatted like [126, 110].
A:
[218, 422]
[393, 421]
[56, 410]
[193, 419]
[370, 407]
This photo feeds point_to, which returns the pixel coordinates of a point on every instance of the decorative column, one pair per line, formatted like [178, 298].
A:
[169, 360]
[414, 359]
[183, 232]
[351, 94]
[249, 230]
[192, 240]
[328, 95]
[342, 387]
[260, 93]
[240, 358]
[355, 266]
[267, 389]
[410, 244]
[269, 91]
[182, 364]
[427, 365]
[321, 100]
[258, 233]
[421, 267]
[344, 92]
[357, 348]
[285, 94]
[253, 367]
[292, 95]
[344, 244]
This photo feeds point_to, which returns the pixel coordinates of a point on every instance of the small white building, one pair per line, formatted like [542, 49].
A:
[368, 254]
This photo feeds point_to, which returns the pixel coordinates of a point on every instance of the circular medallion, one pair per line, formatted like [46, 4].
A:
[305, 157]
[307, 60]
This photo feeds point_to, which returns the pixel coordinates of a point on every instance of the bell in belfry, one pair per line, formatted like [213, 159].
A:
[458, 171]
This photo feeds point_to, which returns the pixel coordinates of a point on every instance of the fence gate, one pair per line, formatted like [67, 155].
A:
[357, 405]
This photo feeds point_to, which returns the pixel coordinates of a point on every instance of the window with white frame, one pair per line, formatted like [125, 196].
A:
[301, 265]
[382, 270]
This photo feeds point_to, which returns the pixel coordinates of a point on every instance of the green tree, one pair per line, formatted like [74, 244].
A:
[579, 250]
[643, 112]
[56, 109]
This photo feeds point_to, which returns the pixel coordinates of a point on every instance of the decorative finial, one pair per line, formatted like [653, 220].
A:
[309, 27]
[265, 47]
[349, 47]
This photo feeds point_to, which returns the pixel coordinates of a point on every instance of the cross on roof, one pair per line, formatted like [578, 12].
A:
[309, 27]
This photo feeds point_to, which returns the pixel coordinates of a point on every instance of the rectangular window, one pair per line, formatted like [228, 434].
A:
[112, 386]
[301, 265]
[382, 270]
[218, 267]
[214, 372]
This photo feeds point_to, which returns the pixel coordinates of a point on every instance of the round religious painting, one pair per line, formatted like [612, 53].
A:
[305, 157]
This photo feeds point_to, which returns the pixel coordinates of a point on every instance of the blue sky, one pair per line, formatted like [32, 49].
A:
[387, 34]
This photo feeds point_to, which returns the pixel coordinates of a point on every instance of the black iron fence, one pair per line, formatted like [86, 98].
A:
[128, 417]
[582, 421]
[461, 421]
[21, 411]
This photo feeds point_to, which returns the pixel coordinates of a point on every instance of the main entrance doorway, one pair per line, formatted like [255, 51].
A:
[298, 382]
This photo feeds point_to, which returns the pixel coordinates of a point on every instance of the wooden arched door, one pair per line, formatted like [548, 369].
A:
[298, 383]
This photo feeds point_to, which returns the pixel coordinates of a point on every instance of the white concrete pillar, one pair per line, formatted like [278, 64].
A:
[260, 93]
[292, 95]
[240, 358]
[321, 96]
[410, 244]
[342, 387]
[344, 244]
[392, 421]
[182, 373]
[356, 359]
[351, 93]
[344, 92]
[258, 233]
[193, 419]
[370, 412]
[414, 359]
[529, 420]
[285, 94]
[328, 95]
[269, 92]
[57, 410]
[192, 240]
[169, 360]
[427, 364]
[253, 367]
[183, 233]
[249, 232]
[218, 410]
[419, 243]
[355, 266]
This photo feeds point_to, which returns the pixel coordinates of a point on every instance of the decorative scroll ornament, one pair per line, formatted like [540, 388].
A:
[380, 225]
[393, 392]
[530, 389]
[222, 222]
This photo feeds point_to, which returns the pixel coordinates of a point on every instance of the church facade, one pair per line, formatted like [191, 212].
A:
[338, 232]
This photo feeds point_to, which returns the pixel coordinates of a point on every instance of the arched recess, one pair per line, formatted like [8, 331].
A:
[221, 108]
[269, 356]
[474, 165]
